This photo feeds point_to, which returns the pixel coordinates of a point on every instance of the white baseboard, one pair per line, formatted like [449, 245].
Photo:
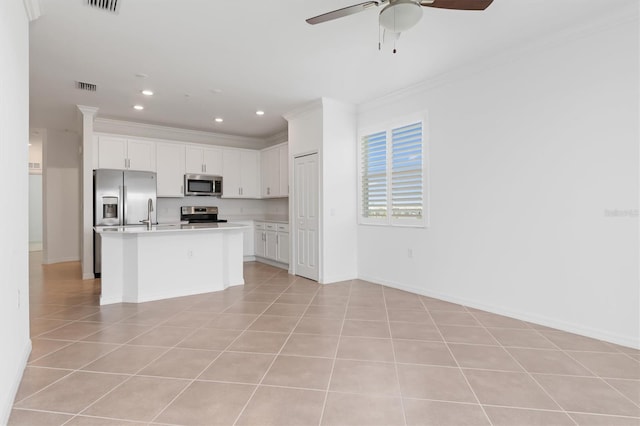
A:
[338, 279]
[5, 408]
[249, 258]
[272, 263]
[617, 339]
[88, 276]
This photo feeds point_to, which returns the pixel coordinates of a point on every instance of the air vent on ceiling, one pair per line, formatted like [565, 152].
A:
[107, 5]
[89, 87]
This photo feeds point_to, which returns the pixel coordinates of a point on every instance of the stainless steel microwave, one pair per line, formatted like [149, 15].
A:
[202, 185]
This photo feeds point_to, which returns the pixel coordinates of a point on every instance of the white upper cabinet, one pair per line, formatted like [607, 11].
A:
[170, 169]
[275, 171]
[126, 154]
[241, 173]
[246, 173]
[270, 173]
[193, 160]
[203, 160]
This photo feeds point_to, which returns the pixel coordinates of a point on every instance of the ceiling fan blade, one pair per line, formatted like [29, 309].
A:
[339, 13]
[457, 4]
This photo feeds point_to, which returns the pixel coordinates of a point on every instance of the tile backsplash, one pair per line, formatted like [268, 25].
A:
[168, 209]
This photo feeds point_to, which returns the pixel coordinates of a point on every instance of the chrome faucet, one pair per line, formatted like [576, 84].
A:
[149, 210]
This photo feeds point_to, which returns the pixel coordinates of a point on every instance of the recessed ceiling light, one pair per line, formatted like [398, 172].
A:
[259, 112]
[219, 119]
[138, 107]
[147, 92]
[29, 144]
[216, 91]
[141, 75]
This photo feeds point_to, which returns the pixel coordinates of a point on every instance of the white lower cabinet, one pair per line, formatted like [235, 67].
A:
[283, 247]
[272, 244]
[260, 244]
[272, 241]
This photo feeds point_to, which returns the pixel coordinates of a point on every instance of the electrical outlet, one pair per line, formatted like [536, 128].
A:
[189, 254]
[410, 253]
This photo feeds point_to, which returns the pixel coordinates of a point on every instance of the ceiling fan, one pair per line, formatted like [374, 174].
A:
[400, 15]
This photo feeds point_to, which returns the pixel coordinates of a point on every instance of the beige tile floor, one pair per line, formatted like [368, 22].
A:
[283, 350]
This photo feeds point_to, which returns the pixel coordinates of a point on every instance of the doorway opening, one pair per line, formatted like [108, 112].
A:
[35, 190]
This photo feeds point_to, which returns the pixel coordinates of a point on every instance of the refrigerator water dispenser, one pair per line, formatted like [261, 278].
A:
[109, 207]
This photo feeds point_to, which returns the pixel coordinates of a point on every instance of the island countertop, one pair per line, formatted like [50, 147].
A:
[172, 227]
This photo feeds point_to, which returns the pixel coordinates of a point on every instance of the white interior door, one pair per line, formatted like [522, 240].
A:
[306, 216]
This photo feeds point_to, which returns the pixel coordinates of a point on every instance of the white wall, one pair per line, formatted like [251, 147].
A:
[14, 187]
[339, 197]
[526, 156]
[327, 127]
[62, 196]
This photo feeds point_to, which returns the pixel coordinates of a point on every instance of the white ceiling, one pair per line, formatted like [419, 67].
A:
[258, 55]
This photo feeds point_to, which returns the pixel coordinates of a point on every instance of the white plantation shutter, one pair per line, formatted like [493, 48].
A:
[406, 172]
[374, 175]
[392, 178]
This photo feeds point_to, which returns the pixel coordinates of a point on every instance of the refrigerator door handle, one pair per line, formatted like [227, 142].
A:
[124, 206]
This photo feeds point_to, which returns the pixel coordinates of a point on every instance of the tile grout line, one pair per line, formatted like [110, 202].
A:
[212, 361]
[257, 386]
[456, 361]
[335, 355]
[131, 376]
[524, 369]
[395, 361]
[220, 351]
[602, 379]
[255, 289]
[594, 375]
[168, 349]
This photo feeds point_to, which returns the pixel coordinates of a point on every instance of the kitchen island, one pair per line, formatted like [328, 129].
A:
[141, 264]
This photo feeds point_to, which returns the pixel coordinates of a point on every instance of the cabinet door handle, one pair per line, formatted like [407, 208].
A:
[205, 168]
[268, 191]
[182, 189]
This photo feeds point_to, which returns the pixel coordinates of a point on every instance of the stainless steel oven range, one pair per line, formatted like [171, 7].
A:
[200, 214]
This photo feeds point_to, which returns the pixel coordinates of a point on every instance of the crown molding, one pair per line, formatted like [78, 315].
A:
[130, 128]
[311, 106]
[613, 20]
[33, 9]
[87, 110]
[277, 138]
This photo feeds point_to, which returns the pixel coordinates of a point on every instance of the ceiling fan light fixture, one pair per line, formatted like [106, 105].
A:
[400, 15]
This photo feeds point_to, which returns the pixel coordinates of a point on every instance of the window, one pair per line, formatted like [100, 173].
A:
[392, 175]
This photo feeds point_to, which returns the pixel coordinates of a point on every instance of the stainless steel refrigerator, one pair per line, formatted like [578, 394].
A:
[121, 198]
